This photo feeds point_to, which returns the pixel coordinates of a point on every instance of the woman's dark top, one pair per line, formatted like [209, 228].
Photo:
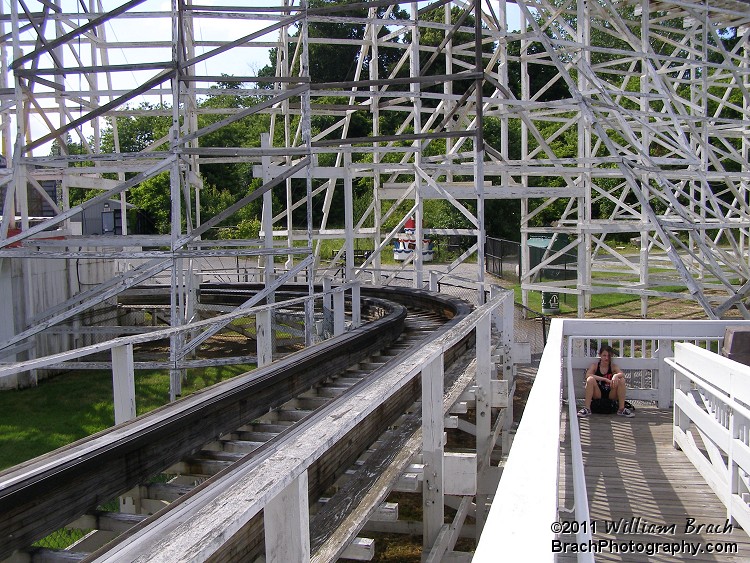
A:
[604, 387]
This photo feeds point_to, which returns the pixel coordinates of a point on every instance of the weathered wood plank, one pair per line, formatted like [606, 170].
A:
[636, 480]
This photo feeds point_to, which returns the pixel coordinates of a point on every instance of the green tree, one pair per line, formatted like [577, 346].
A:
[337, 62]
[136, 133]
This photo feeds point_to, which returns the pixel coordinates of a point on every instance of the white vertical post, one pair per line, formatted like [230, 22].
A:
[415, 91]
[504, 325]
[679, 419]
[434, 277]
[432, 451]
[665, 375]
[286, 519]
[377, 180]
[356, 309]
[645, 102]
[19, 203]
[338, 312]
[307, 140]
[479, 148]
[263, 330]
[176, 310]
[733, 480]
[123, 383]
[483, 415]
[743, 32]
[328, 305]
[263, 320]
[523, 276]
[123, 387]
[8, 326]
[348, 219]
[583, 259]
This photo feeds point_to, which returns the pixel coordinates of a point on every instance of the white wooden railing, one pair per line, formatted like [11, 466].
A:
[121, 348]
[278, 483]
[711, 414]
[526, 502]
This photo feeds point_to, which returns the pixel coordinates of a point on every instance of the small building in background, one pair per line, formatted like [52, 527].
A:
[103, 218]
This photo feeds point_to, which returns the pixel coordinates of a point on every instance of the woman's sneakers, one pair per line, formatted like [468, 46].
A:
[586, 412]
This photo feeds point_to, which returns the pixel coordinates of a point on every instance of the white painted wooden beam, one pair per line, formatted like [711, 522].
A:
[433, 486]
[123, 383]
[339, 310]
[286, 521]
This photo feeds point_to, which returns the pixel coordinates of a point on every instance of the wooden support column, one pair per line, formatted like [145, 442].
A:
[123, 383]
[734, 478]
[585, 250]
[310, 335]
[377, 180]
[348, 219]
[525, 265]
[743, 32]
[356, 309]
[483, 416]
[176, 340]
[479, 148]
[680, 421]
[665, 377]
[8, 326]
[264, 335]
[327, 306]
[123, 386]
[286, 519]
[306, 122]
[415, 91]
[177, 310]
[432, 451]
[503, 322]
[434, 277]
[264, 319]
[339, 305]
[646, 140]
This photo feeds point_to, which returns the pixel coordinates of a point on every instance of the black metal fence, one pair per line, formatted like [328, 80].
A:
[503, 259]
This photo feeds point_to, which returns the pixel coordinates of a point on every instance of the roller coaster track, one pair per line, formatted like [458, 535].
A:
[195, 443]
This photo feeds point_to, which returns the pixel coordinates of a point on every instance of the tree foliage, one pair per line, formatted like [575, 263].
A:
[334, 57]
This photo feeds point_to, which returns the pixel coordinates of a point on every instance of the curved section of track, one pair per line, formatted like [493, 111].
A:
[47, 493]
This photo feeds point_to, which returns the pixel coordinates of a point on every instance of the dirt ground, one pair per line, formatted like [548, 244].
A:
[676, 309]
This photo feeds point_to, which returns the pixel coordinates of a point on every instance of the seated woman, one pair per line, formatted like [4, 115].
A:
[605, 382]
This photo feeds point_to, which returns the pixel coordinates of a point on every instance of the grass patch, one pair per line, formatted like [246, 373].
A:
[61, 539]
[569, 303]
[74, 405]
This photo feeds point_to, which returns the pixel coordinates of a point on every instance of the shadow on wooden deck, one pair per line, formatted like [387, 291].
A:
[644, 494]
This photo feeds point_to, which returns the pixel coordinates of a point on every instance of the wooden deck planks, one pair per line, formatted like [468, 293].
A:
[635, 476]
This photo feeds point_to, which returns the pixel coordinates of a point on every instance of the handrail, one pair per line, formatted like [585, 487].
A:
[580, 495]
[704, 377]
[520, 520]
